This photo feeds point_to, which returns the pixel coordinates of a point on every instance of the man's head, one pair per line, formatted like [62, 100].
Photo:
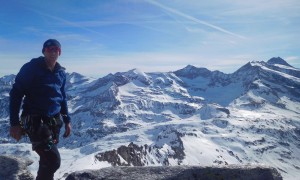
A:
[50, 45]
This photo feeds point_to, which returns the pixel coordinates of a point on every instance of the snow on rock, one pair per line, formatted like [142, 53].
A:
[213, 111]
[192, 116]
[278, 60]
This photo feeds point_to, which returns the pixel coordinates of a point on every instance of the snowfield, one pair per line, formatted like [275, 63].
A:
[192, 116]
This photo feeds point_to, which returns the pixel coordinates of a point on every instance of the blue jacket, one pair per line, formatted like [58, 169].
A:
[44, 91]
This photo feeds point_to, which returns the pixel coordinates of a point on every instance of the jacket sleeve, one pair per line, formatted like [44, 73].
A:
[19, 89]
[64, 105]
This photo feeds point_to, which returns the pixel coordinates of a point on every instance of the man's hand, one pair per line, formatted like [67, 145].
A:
[67, 130]
[16, 132]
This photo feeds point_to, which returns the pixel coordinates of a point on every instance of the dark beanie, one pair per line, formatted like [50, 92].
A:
[50, 42]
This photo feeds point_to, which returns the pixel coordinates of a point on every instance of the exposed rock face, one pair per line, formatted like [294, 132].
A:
[178, 173]
[131, 155]
[192, 116]
[14, 168]
[134, 155]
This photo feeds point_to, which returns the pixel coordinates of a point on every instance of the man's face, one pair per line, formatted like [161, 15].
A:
[52, 52]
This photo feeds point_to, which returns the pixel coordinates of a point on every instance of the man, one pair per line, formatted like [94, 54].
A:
[41, 83]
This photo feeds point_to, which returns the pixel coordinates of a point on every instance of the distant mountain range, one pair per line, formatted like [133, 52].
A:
[192, 116]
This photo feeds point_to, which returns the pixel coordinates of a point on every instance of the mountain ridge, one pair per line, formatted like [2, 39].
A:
[189, 116]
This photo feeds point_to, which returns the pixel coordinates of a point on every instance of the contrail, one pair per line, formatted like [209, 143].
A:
[194, 19]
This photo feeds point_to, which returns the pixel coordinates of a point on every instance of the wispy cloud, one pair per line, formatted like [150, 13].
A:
[154, 62]
[191, 18]
[70, 23]
[111, 36]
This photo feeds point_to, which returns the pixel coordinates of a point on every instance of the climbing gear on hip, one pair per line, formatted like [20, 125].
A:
[43, 131]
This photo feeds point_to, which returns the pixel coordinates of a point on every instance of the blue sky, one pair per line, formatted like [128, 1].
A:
[108, 36]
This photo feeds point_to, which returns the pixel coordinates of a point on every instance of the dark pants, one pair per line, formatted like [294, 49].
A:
[49, 163]
[43, 133]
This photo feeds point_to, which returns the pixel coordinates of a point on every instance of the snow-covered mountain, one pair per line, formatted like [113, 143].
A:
[192, 116]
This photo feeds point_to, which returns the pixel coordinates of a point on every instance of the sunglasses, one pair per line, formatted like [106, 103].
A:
[53, 49]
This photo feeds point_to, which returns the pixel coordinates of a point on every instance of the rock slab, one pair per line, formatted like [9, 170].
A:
[178, 173]
[14, 168]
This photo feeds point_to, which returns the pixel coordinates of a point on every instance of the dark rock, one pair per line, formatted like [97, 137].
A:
[132, 154]
[278, 60]
[14, 168]
[178, 173]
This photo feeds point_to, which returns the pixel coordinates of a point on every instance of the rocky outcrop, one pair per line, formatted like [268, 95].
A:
[178, 173]
[14, 168]
[147, 155]
[124, 156]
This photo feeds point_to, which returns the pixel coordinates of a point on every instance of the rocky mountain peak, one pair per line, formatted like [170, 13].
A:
[75, 79]
[192, 116]
[7, 80]
[192, 72]
[278, 60]
[137, 74]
